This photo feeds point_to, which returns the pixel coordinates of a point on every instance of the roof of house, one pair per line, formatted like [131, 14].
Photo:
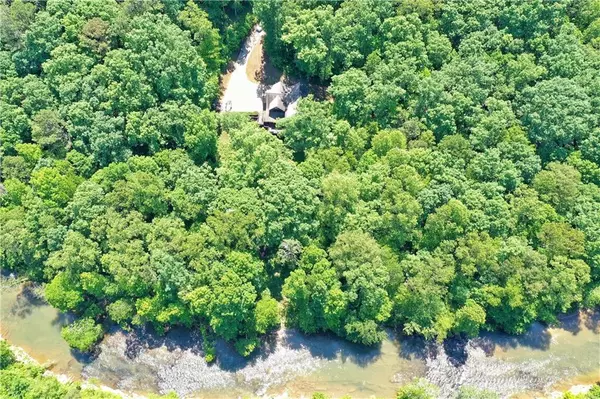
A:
[279, 97]
[277, 88]
[277, 103]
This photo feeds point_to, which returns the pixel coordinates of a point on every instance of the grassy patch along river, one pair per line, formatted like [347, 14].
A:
[535, 364]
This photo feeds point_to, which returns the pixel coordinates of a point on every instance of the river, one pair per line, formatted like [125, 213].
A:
[292, 363]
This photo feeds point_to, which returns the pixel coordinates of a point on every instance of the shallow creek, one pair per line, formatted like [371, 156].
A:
[297, 365]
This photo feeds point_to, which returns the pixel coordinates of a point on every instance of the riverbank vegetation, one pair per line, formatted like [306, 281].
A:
[22, 380]
[452, 183]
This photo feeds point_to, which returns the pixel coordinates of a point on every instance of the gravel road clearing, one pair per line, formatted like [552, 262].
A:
[242, 94]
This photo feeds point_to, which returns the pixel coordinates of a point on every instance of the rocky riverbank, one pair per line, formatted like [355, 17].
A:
[23, 357]
[293, 364]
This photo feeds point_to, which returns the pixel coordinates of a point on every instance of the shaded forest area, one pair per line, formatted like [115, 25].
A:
[452, 183]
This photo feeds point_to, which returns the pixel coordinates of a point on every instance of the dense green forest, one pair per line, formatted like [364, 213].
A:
[448, 183]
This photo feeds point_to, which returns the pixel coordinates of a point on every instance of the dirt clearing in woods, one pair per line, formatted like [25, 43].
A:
[240, 92]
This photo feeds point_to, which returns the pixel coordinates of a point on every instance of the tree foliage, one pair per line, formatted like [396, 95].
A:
[447, 183]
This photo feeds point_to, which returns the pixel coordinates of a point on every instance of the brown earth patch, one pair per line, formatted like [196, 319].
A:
[255, 63]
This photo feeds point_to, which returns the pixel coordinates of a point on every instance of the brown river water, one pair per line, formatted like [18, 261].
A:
[535, 364]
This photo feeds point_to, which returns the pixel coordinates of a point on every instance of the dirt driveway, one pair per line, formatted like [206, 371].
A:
[242, 94]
